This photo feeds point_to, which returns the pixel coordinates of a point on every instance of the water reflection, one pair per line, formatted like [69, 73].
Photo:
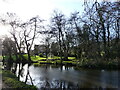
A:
[67, 77]
[63, 77]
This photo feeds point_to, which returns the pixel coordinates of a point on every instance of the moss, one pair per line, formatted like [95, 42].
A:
[11, 81]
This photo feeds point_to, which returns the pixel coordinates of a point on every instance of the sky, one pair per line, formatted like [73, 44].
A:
[44, 8]
[26, 9]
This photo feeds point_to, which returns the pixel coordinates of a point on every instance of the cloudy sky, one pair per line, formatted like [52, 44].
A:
[25, 9]
[28, 8]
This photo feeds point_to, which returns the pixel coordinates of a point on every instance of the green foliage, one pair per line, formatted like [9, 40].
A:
[13, 57]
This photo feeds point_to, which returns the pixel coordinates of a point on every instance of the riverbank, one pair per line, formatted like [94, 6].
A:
[10, 81]
[90, 64]
[72, 61]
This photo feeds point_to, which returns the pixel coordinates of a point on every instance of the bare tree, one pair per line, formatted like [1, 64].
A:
[30, 32]
[59, 24]
[13, 21]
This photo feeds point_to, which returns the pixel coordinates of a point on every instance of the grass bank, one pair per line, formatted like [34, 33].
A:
[82, 63]
[11, 82]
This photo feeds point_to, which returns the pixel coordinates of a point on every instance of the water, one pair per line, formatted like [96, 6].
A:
[68, 77]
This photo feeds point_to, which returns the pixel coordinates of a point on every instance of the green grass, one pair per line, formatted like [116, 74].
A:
[55, 62]
[36, 58]
[73, 58]
[11, 81]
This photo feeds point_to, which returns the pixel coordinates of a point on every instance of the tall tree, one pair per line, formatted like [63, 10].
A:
[13, 21]
[30, 32]
[59, 24]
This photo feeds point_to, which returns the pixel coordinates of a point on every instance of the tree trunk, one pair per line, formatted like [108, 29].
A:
[29, 57]
[60, 46]
[19, 49]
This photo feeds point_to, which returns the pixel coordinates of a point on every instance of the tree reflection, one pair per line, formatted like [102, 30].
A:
[14, 69]
[20, 66]
[28, 76]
